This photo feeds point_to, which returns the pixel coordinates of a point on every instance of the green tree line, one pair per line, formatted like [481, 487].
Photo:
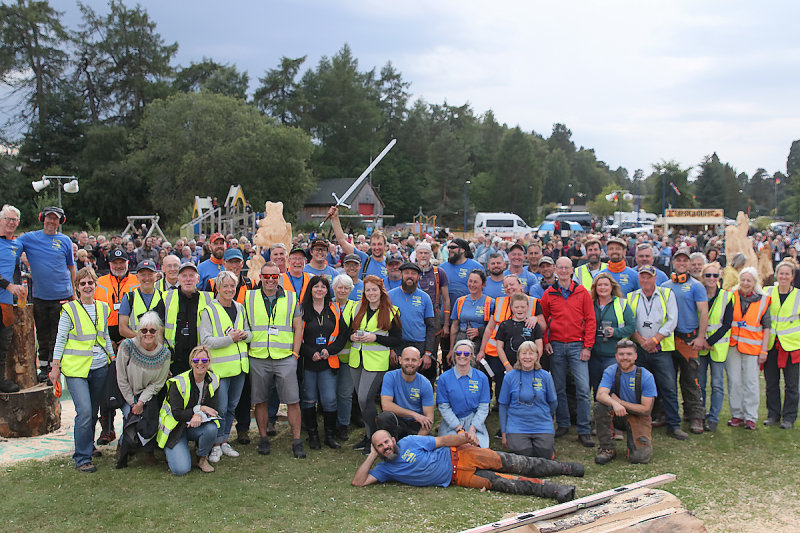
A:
[105, 102]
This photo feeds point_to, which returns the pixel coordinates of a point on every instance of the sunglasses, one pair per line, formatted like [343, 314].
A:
[151, 331]
[85, 283]
[464, 354]
[270, 276]
[453, 247]
[710, 275]
[200, 360]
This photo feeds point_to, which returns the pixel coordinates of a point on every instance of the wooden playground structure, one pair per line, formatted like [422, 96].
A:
[234, 216]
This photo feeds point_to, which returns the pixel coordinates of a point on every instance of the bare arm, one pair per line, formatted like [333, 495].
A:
[363, 477]
[124, 330]
[702, 313]
[427, 410]
[347, 248]
[297, 326]
[72, 273]
[446, 309]
[426, 422]
[459, 439]
[487, 334]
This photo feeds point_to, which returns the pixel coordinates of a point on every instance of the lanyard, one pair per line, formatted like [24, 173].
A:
[296, 290]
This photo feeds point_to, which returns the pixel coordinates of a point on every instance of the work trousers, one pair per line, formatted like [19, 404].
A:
[772, 375]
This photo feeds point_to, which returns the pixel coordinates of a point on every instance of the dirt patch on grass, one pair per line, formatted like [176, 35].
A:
[771, 511]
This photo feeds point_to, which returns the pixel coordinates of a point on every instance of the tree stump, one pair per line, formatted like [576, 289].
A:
[34, 410]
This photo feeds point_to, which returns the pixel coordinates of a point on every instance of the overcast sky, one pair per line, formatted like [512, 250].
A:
[638, 81]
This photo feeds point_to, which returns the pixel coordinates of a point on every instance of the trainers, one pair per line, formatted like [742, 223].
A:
[709, 425]
[605, 456]
[697, 426]
[361, 444]
[561, 431]
[271, 431]
[298, 450]
[735, 422]
[586, 441]
[786, 425]
[263, 446]
[86, 468]
[770, 422]
[749, 424]
[228, 450]
[216, 454]
[677, 433]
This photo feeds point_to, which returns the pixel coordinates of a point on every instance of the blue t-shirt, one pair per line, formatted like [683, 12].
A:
[530, 397]
[374, 268]
[358, 290]
[473, 312]
[526, 278]
[207, 271]
[390, 284]
[687, 295]
[463, 393]
[627, 382]
[125, 305]
[9, 259]
[414, 309]
[536, 290]
[328, 272]
[420, 463]
[412, 396]
[628, 279]
[49, 257]
[494, 288]
[457, 276]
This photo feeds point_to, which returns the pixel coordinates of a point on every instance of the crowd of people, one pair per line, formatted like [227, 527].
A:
[417, 340]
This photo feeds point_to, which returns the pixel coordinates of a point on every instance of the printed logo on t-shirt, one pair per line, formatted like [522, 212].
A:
[537, 384]
[408, 456]
[462, 273]
[473, 386]
[55, 244]
[623, 279]
[632, 385]
[414, 393]
[686, 287]
[416, 301]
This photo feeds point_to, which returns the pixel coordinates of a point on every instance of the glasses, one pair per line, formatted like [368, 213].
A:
[453, 247]
[150, 331]
[270, 276]
[85, 283]
[12, 219]
[200, 360]
[710, 275]
[626, 343]
[464, 354]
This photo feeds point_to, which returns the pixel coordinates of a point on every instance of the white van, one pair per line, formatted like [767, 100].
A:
[507, 225]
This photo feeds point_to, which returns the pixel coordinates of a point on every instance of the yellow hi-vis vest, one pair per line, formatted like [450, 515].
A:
[375, 357]
[785, 321]
[171, 306]
[345, 312]
[76, 360]
[719, 352]
[667, 343]
[584, 277]
[232, 359]
[166, 422]
[273, 334]
[138, 308]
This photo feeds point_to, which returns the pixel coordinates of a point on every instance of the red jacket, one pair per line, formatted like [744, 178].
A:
[571, 319]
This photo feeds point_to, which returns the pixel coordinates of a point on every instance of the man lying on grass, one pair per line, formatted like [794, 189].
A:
[439, 461]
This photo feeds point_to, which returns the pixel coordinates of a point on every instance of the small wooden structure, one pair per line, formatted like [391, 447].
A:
[234, 216]
[34, 410]
[152, 219]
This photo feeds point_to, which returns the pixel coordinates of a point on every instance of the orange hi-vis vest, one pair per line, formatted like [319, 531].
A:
[111, 290]
[502, 312]
[487, 307]
[747, 334]
[289, 287]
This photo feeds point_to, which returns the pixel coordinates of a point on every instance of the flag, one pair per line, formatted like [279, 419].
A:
[777, 180]
[674, 188]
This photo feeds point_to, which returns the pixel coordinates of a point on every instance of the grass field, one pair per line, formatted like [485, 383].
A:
[735, 480]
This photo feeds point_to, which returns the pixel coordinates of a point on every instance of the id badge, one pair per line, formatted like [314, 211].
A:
[742, 324]
[321, 341]
[117, 306]
[647, 324]
[185, 330]
[272, 330]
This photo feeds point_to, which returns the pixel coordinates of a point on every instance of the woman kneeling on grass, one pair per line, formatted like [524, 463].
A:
[190, 413]
[527, 404]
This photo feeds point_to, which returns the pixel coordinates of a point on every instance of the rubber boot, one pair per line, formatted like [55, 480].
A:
[545, 489]
[309, 416]
[330, 430]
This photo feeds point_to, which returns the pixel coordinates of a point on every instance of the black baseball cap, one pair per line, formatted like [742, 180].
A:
[319, 241]
[297, 249]
[118, 254]
[146, 265]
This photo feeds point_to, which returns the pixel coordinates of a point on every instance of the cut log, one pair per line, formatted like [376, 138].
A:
[30, 412]
[21, 362]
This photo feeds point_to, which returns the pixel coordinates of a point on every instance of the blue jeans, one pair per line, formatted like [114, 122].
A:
[663, 369]
[86, 393]
[567, 355]
[229, 392]
[323, 381]
[717, 385]
[597, 365]
[344, 395]
[179, 458]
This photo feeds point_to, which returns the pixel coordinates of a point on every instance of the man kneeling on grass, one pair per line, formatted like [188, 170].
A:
[625, 398]
[439, 461]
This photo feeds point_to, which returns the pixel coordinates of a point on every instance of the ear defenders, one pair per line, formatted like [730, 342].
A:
[54, 210]
[680, 278]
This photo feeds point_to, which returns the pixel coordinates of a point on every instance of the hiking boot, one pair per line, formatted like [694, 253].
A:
[708, 425]
[8, 386]
[96, 453]
[749, 424]
[271, 431]
[735, 422]
[660, 421]
[106, 437]
[697, 426]
[787, 425]
[677, 433]
[298, 450]
[263, 446]
[572, 469]
[605, 456]
[86, 468]
[561, 431]
[342, 433]
[771, 422]
[204, 465]
[243, 437]
[586, 440]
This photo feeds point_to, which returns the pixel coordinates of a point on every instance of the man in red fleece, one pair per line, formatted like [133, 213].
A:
[569, 314]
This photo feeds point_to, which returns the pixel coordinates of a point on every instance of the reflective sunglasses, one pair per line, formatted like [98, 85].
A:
[202, 360]
[710, 275]
[270, 276]
[151, 331]
[464, 354]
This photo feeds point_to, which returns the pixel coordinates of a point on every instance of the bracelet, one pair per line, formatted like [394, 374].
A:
[654, 340]
[507, 364]
[447, 312]
[461, 431]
